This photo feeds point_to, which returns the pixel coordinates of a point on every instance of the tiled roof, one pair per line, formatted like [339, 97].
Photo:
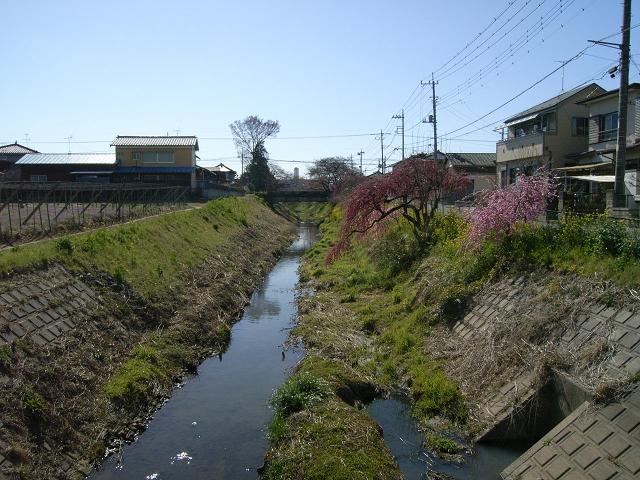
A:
[474, 159]
[582, 93]
[68, 159]
[160, 141]
[16, 148]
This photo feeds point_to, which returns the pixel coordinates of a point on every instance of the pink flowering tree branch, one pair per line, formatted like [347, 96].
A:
[499, 211]
[413, 191]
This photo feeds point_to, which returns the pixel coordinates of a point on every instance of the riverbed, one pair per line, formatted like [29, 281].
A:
[215, 425]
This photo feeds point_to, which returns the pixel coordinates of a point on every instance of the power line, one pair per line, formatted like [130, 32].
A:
[572, 59]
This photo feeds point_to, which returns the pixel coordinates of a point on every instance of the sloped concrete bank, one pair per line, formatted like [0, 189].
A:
[86, 356]
[552, 358]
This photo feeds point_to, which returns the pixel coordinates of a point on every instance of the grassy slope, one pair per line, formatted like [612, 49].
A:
[183, 310]
[150, 255]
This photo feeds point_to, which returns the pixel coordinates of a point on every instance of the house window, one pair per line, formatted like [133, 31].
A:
[579, 127]
[608, 128]
[38, 178]
[157, 157]
[549, 122]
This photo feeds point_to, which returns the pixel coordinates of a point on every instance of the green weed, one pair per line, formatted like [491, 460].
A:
[442, 444]
[299, 392]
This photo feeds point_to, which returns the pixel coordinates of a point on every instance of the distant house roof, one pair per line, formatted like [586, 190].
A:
[471, 159]
[68, 159]
[610, 93]
[462, 160]
[590, 90]
[16, 148]
[151, 141]
[221, 168]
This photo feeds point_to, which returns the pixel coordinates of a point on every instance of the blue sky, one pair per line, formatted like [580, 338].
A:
[97, 69]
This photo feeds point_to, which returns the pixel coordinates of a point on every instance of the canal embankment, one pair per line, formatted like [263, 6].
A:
[97, 329]
[525, 343]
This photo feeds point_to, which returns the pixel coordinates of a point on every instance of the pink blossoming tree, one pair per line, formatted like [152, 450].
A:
[500, 210]
[412, 191]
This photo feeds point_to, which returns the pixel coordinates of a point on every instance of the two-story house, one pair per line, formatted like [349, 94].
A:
[600, 155]
[156, 159]
[544, 134]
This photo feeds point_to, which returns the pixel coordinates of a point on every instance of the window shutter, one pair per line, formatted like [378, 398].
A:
[594, 129]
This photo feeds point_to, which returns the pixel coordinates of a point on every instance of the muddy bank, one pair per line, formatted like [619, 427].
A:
[82, 382]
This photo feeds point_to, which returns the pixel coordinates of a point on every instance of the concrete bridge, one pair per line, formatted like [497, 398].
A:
[288, 196]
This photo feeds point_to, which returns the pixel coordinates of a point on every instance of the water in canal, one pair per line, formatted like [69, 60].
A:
[214, 427]
[405, 441]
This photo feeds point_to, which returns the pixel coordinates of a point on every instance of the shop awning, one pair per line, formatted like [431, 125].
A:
[522, 120]
[584, 167]
[595, 178]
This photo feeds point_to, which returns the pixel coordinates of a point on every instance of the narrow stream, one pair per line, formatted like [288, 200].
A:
[215, 426]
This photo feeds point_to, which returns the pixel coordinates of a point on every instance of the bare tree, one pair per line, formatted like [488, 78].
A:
[252, 132]
[250, 136]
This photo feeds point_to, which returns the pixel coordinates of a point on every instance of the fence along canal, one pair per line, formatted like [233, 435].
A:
[36, 209]
[215, 425]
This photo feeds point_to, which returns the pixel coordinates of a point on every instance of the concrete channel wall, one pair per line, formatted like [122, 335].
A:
[580, 438]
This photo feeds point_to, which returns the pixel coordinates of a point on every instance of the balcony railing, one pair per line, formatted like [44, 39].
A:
[521, 147]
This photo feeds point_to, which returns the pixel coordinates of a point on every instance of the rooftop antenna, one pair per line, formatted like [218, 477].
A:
[26, 139]
[177, 132]
[563, 62]
[68, 139]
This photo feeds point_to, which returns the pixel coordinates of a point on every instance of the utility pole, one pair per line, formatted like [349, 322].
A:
[401, 117]
[68, 139]
[619, 190]
[351, 160]
[623, 101]
[433, 118]
[360, 153]
[382, 165]
[241, 162]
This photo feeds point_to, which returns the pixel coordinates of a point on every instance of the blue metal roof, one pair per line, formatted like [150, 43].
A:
[154, 170]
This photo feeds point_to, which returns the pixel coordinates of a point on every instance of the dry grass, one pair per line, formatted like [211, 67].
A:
[526, 339]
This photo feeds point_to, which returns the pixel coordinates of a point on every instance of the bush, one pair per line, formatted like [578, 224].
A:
[396, 249]
[64, 245]
[606, 235]
[299, 392]
[448, 227]
[34, 405]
